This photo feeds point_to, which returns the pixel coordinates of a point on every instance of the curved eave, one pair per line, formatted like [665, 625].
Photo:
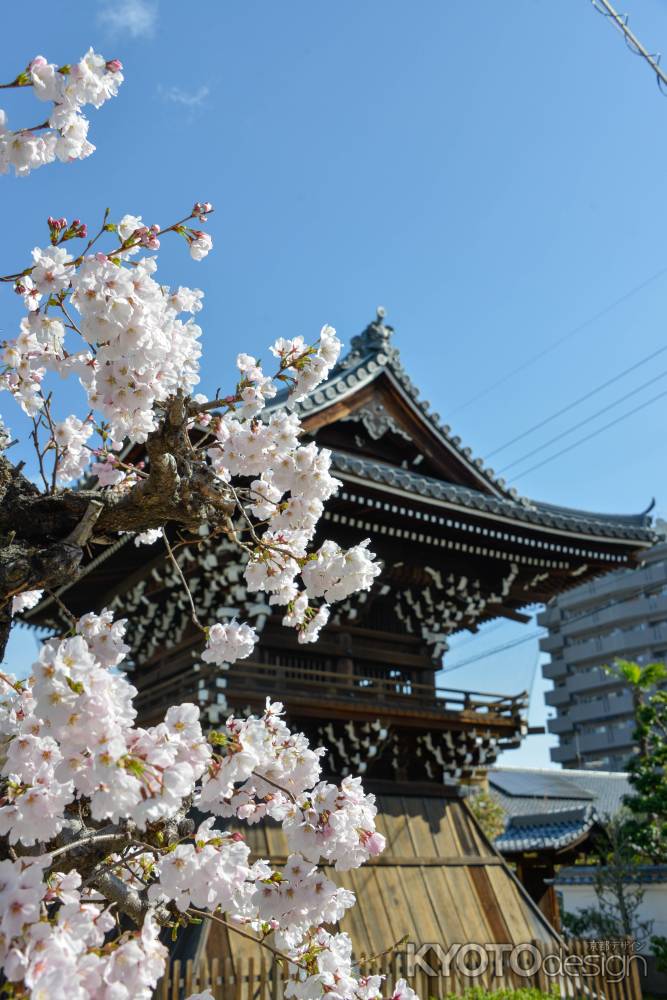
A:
[557, 844]
[435, 493]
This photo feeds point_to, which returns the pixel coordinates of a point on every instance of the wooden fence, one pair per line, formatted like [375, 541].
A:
[590, 970]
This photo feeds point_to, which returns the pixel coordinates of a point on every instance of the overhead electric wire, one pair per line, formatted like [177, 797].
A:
[586, 420]
[497, 649]
[593, 434]
[540, 634]
[476, 635]
[556, 343]
[581, 399]
[620, 21]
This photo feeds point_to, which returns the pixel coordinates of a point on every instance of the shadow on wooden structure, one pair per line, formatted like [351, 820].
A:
[581, 970]
[440, 888]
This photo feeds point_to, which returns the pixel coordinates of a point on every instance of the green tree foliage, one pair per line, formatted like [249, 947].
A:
[647, 769]
[639, 833]
[618, 890]
[489, 814]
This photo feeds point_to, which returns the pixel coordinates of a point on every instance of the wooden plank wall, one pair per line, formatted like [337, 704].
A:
[249, 979]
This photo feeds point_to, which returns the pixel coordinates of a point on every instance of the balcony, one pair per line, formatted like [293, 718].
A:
[636, 609]
[552, 643]
[627, 642]
[554, 670]
[557, 697]
[614, 737]
[607, 706]
[318, 693]
[590, 680]
[563, 754]
[614, 587]
[561, 724]
[550, 617]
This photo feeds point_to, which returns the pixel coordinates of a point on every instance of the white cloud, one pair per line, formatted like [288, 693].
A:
[187, 98]
[136, 17]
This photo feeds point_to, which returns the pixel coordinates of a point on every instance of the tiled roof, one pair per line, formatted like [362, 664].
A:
[585, 874]
[635, 527]
[543, 817]
[606, 787]
[373, 353]
[546, 831]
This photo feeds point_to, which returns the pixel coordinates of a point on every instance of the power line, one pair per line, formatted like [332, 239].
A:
[620, 21]
[497, 649]
[539, 634]
[556, 343]
[576, 402]
[478, 635]
[586, 420]
[593, 434]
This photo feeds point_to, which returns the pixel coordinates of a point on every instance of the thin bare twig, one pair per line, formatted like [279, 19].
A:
[193, 609]
[251, 937]
[61, 604]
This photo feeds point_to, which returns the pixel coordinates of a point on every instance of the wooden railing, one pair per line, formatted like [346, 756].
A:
[250, 678]
[578, 971]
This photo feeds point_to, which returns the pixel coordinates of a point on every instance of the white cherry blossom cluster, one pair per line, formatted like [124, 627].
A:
[70, 748]
[230, 642]
[143, 351]
[325, 967]
[138, 350]
[139, 354]
[25, 600]
[70, 436]
[336, 824]
[66, 957]
[64, 134]
[303, 366]
[73, 735]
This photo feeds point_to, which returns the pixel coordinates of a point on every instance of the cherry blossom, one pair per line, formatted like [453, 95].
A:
[28, 599]
[64, 135]
[98, 810]
[201, 244]
[69, 736]
[228, 643]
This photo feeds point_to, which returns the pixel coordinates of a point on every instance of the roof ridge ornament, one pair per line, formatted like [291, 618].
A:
[375, 339]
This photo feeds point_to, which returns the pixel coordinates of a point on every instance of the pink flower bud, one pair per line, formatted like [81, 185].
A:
[375, 844]
[201, 208]
[36, 62]
[114, 65]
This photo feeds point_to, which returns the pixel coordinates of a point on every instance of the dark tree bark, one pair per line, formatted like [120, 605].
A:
[43, 535]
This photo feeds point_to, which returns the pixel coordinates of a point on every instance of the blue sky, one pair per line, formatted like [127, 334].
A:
[493, 174]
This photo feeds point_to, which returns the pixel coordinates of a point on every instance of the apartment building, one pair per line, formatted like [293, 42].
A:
[623, 615]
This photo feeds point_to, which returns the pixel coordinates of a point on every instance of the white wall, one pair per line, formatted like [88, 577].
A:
[654, 904]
